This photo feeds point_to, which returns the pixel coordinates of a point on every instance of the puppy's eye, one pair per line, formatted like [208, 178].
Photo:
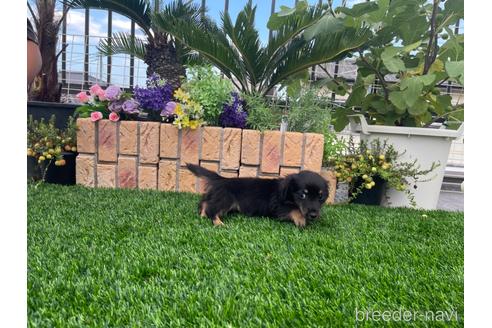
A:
[303, 196]
[320, 196]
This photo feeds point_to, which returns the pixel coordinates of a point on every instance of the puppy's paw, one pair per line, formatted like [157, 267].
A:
[297, 218]
[217, 222]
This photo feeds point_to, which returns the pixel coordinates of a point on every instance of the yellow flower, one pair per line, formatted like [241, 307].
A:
[185, 121]
[194, 124]
[181, 95]
[178, 110]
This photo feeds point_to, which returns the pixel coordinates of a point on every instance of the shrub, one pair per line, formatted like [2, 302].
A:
[261, 115]
[234, 114]
[210, 90]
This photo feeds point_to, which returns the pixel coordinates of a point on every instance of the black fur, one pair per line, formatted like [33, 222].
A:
[276, 198]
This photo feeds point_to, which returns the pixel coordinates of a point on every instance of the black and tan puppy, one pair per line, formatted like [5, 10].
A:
[297, 197]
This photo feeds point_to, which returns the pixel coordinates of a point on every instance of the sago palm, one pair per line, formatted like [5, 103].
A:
[161, 52]
[236, 50]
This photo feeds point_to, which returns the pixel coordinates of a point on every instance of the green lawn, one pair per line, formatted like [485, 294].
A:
[126, 258]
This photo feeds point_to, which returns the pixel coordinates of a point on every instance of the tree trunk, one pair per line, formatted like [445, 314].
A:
[45, 86]
[161, 58]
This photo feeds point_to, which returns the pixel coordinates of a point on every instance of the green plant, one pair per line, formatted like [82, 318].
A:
[367, 160]
[46, 143]
[209, 89]
[235, 47]
[309, 111]
[162, 53]
[412, 41]
[261, 114]
[333, 145]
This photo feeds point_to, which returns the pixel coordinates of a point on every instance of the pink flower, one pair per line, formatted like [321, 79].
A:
[96, 116]
[82, 97]
[95, 89]
[101, 94]
[114, 117]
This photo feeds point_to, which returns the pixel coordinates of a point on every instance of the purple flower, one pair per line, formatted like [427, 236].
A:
[115, 106]
[130, 106]
[113, 92]
[234, 114]
[157, 94]
[169, 109]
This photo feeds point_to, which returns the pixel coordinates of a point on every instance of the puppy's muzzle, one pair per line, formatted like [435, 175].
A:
[312, 214]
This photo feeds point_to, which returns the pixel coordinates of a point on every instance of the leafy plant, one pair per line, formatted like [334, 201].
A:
[309, 111]
[209, 89]
[46, 143]
[405, 45]
[377, 158]
[261, 115]
[235, 48]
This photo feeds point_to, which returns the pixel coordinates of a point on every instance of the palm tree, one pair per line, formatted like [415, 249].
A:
[235, 48]
[45, 86]
[161, 52]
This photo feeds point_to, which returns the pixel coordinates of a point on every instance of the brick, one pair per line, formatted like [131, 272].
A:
[187, 180]
[292, 155]
[212, 166]
[167, 175]
[127, 172]
[248, 171]
[86, 136]
[147, 177]
[264, 176]
[85, 170]
[331, 179]
[149, 142]
[231, 149]
[313, 152]
[169, 141]
[285, 171]
[270, 158]
[211, 143]
[190, 143]
[250, 152]
[229, 174]
[107, 141]
[106, 175]
[128, 137]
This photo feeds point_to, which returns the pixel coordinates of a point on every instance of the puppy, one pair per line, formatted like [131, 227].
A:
[297, 197]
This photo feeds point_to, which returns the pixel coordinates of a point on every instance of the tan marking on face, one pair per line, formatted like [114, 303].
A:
[203, 211]
[298, 219]
[217, 222]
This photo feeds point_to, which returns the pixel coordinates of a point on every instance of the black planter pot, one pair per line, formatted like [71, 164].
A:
[62, 112]
[372, 196]
[63, 175]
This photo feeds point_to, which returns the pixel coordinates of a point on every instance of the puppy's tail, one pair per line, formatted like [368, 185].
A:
[202, 172]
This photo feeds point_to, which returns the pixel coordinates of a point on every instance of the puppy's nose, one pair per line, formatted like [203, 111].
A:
[313, 214]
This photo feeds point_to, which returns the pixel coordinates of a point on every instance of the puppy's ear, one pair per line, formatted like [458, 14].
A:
[287, 186]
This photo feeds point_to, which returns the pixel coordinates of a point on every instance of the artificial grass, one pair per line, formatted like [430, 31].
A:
[130, 258]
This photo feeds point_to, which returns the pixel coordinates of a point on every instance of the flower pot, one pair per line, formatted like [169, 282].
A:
[64, 175]
[373, 196]
[426, 145]
[62, 112]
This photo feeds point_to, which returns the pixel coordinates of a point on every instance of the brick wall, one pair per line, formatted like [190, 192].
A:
[151, 155]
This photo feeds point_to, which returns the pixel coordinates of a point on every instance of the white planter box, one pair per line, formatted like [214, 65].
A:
[427, 145]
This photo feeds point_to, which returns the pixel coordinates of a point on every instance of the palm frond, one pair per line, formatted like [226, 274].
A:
[137, 10]
[245, 39]
[210, 42]
[324, 48]
[122, 43]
